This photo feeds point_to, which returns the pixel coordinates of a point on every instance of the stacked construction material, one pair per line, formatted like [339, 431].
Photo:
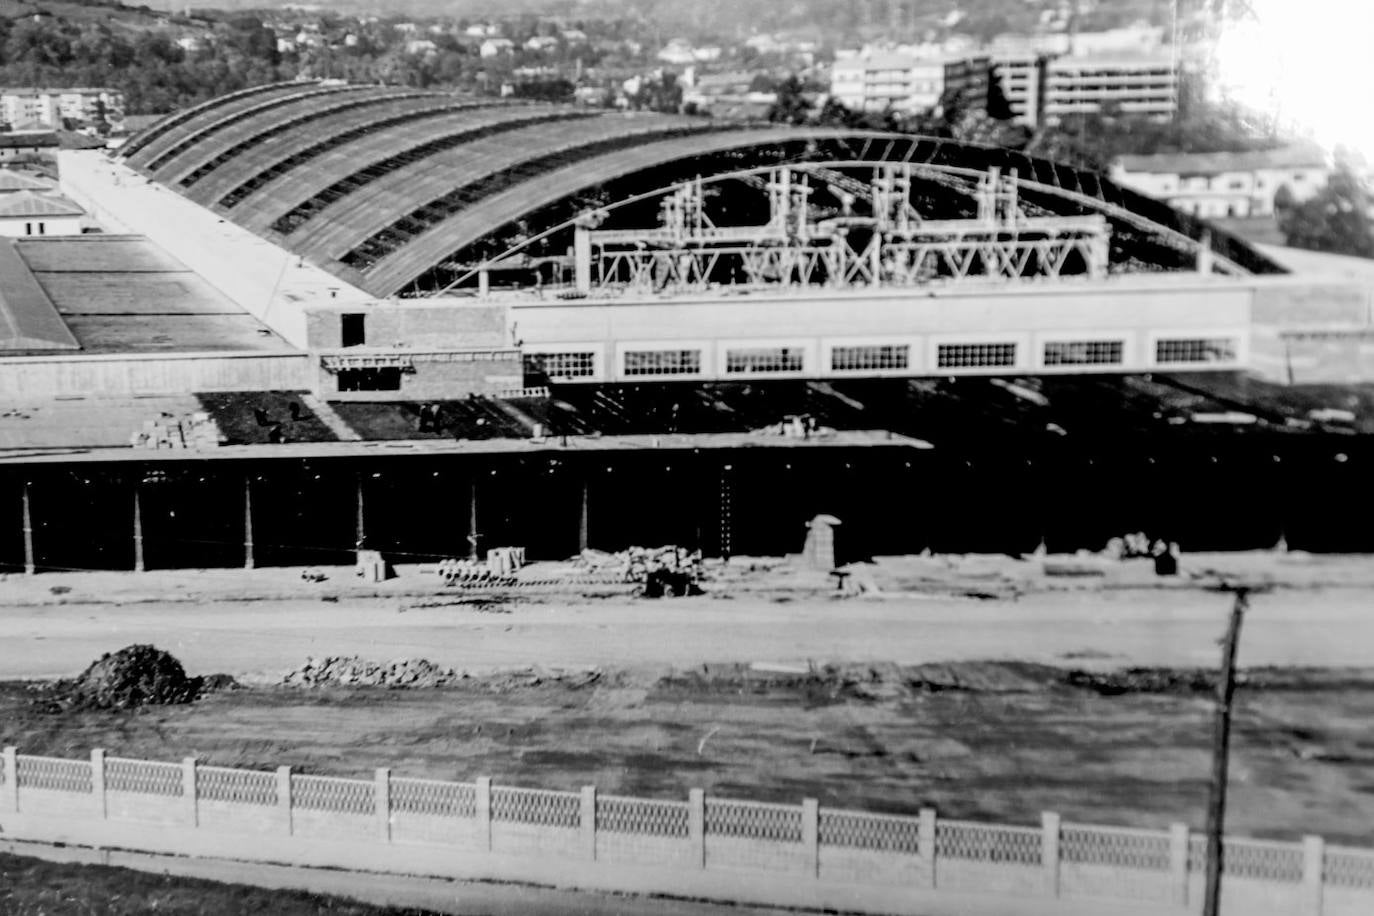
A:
[194, 431]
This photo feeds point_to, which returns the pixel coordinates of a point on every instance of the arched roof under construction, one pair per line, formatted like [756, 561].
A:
[382, 185]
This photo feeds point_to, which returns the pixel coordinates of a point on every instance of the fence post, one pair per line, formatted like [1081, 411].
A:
[925, 842]
[484, 812]
[381, 803]
[1178, 863]
[284, 798]
[696, 825]
[1049, 851]
[10, 760]
[588, 820]
[189, 799]
[1313, 859]
[98, 780]
[811, 835]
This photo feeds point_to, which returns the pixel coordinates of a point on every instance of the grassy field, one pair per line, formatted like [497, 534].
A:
[993, 741]
[31, 887]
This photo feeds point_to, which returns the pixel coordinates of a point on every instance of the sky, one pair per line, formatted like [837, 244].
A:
[1306, 63]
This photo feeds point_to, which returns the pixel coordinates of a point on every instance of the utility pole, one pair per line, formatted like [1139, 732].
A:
[1221, 749]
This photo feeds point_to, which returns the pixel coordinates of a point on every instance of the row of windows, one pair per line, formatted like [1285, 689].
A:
[1196, 350]
[764, 360]
[663, 362]
[581, 364]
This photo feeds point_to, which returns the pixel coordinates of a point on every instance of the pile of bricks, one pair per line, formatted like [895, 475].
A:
[194, 431]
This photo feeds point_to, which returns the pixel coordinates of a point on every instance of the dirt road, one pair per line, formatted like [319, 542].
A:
[1108, 628]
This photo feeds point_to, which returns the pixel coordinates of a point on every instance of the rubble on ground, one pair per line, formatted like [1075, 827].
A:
[135, 676]
[635, 564]
[355, 671]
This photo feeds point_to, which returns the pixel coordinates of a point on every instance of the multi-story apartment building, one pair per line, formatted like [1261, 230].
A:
[1019, 75]
[1220, 185]
[906, 83]
[1130, 85]
[48, 107]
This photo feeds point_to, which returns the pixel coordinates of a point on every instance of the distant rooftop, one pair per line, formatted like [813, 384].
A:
[116, 294]
[21, 181]
[1284, 157]
[23, 140]
[26, 203]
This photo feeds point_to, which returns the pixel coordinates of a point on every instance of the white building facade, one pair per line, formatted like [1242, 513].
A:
[906, 83]
[48, 107]
[1226, 185]
[1130, 86]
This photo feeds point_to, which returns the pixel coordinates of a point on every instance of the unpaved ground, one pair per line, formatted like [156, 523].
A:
[1174, 627]
[988, 741]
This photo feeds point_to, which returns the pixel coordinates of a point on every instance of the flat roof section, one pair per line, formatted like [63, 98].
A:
[123, 294]
[28, 319]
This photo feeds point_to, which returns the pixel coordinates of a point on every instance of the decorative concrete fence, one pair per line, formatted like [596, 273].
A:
[750, 852]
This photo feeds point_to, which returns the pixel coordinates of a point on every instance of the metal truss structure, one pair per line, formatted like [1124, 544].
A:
[874, 237]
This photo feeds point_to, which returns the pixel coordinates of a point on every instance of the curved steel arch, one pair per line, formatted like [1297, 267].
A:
[399, 270]
[137, 145]
[185, 148]
[233, 144]
[256, 168]
[239, 186]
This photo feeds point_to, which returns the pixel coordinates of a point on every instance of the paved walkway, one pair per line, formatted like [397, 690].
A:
[460, 898]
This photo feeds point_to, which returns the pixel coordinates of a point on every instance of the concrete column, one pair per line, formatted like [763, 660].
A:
[189, 793]
[381, 802]
[583, 520]
[1049, 852]
[484, 812]
[9, 767]
[588, 821]
[139, 565]
[284, 798]
[474, 552]
[360, 527]
[811, 836]
[1313, 862]
[29, 565]
[727, 518]
[696, 825]
[248, 560]
[98, 781]
[582, 258]
[1178, 863]
[925, 839]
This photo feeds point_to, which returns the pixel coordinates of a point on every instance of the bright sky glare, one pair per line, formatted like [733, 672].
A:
[1305, 62]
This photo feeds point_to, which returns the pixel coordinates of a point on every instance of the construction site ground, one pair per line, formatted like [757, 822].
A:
[943, 682]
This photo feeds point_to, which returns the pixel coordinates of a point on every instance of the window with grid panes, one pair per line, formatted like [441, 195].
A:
[1196, 350]
[975, 355]
[1083, 352]
[663, 362]
[578, 364]
[881, 356]
[764, 360]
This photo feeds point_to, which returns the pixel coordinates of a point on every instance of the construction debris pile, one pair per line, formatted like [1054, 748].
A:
[354, 671]
[660, 570]
[133, 677]
[800, 426]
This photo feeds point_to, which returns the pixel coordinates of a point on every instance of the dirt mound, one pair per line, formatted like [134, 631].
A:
[354, 671]
[134, 676]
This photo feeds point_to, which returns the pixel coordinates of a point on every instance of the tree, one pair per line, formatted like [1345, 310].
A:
[1335, 220]
[791, 106]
